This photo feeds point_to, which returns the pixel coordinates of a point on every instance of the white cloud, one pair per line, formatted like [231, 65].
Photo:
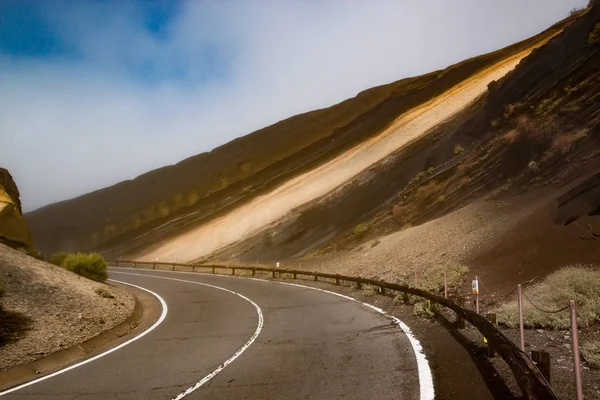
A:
[71, 126]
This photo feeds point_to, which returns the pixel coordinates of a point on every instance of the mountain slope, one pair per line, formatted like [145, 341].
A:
[165, 201]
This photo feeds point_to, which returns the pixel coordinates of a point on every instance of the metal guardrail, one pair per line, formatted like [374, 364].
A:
[531, 381]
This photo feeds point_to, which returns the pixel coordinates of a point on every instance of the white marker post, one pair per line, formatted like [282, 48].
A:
[475, 291]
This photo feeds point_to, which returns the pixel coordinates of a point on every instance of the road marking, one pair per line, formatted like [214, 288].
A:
[426, 388]
[141, 335]
[237, 353]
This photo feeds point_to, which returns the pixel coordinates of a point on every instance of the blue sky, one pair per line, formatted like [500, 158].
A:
[95, 92]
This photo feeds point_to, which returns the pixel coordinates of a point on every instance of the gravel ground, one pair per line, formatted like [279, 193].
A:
[453, 238]
[64, 308]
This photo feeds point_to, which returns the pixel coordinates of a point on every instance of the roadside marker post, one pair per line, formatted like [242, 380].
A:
[520, 304]
[576, 359]
[475, 291]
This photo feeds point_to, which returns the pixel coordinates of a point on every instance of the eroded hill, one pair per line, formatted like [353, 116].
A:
[172, 201]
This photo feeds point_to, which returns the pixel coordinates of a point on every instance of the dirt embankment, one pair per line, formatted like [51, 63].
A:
[45, 309]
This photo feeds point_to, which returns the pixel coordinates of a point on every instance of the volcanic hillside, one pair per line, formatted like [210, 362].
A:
[519, 123]
[257, 179]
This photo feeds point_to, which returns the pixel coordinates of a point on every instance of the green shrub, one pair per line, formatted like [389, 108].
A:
[370, 291]
[458, 149]
[594, 37]
[31, 252]
[590, 351]
[91, 266]
[360, 230]
[58, 258]
[424, 309]
[579, 283]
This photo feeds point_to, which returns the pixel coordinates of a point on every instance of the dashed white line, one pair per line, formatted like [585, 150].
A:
[237, 353]
[426, 388]
[162, 317]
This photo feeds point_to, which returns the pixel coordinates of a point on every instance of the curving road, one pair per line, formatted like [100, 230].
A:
[232, 338]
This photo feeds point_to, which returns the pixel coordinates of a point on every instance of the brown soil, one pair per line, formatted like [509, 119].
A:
[52, 309]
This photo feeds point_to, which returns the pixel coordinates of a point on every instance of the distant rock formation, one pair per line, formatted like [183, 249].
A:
[14, 231]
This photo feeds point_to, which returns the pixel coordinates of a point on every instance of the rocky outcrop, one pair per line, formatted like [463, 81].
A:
[13, 228]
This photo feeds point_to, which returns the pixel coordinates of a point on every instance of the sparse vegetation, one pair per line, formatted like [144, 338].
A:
[58, 258]
[430, 170]
[370, 291]
[458, 149]
[424, 309]
[360, 230]
[441, 199]
[104, 293]
[533, 166]
[564, 143]
[31, 252]
[495, 123]
[91, 266]
[579, 283]
[590, 352]
[433, 280]
[594, 37]
[575, 10]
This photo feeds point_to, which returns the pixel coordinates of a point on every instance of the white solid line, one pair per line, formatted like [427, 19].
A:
[426, 388]
[141, 335]
[237, 353]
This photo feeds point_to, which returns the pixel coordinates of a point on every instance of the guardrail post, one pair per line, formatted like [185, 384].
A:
[294, 275]
[316, 278]
[520, 305]
[153, 265]
[117, 263]
[253, 272]
[460, 321]
[213, 269]
[358, 285]
[337, 280]
[233, 271]
[491, 350]
[273, 274]
[193, 268]
[173, 267]
[576, 360]
[542, 360]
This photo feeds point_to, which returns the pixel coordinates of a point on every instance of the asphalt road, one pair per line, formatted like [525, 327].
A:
[312, 345]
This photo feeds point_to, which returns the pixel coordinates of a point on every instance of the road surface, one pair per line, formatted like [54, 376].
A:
[246, 339]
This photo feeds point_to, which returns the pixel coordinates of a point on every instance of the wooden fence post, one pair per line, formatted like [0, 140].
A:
[492, 352]
[542, 360]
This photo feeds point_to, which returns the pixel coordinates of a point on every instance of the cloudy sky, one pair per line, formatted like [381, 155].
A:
[95, 92]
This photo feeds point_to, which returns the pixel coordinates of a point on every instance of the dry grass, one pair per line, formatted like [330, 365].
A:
[433, 280]
[579, 283]
[590, 351]
[564, 143]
